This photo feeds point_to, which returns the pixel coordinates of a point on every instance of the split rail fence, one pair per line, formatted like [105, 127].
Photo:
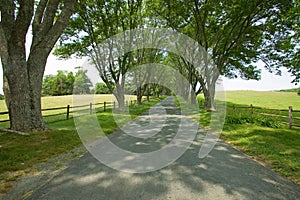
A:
[291, 116]
[67, 110]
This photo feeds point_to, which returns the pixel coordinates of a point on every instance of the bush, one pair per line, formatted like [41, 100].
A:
[298, 92]
[241, 118]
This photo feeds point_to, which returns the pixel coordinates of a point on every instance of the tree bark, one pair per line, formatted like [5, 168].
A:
[139, 96]
[119, 94]
[23, 76]
[17, 95]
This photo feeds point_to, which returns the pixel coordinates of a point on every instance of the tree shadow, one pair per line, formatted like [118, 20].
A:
[225, 173]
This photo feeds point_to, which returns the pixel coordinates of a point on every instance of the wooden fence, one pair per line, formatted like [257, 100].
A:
[67, 110]
[291, 115]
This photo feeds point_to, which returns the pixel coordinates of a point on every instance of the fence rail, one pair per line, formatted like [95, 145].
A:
[69, 109]
[289, 113]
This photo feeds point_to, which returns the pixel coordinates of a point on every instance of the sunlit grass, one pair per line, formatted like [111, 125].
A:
[278, 149]
[265, 99]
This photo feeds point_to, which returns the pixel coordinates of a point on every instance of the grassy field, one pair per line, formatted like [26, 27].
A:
[263, 138]
[41, 147]
[264, 99]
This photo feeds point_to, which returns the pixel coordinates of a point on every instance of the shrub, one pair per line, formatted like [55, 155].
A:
[242, 118]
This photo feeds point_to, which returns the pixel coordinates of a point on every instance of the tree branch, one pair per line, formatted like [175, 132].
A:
[23, 20]
[39, 13]
[7, 9]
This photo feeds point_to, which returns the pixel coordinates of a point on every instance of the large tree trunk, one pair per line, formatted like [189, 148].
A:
[36, 65]
[17, 94]
[23, 77]
[193, 98]
[208, 88]
[23, 97]
[119, 94]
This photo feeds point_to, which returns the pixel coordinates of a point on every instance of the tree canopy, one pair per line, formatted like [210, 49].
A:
[235, 35]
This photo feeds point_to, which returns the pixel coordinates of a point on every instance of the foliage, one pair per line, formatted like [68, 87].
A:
[1, 97]
[290, 90]
[63, 83]
[240, 118]
[60, 84]
[82, 83]
[95, 22]
[101, 88]
[233, 33]
[282, 39]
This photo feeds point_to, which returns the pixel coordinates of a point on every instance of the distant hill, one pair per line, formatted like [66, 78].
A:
[289, 90]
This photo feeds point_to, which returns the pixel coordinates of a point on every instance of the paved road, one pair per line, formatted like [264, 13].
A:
[225, 174]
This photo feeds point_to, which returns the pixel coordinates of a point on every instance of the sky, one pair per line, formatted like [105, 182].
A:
[268, 82]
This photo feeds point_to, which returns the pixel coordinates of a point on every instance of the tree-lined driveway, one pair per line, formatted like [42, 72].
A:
[225, 173]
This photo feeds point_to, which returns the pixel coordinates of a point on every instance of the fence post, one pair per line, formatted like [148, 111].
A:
[104, 105]
[91, 107]
[130, 102]
[251, 106]
[290, 116]
[126, 103]
[234, 108]
[68, 111]
[114, 105]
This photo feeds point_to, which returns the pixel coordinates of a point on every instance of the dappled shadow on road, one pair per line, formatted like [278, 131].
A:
[225, 173]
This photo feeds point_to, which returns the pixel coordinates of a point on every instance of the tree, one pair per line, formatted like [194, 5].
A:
[101, 88]
[282, 40]
[143, 76]
[231, 32]
[23, 71]
[82, 83]
[60, 84]
[47, 85]
[95, 22]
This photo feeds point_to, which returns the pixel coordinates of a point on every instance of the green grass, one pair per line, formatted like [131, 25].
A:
[278, 149]
[280, 100]
[263, 138]
[21, 155]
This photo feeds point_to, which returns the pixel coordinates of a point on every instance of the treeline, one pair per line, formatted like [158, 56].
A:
[64, 83]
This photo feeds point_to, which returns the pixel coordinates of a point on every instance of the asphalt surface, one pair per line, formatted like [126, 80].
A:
[225, 173]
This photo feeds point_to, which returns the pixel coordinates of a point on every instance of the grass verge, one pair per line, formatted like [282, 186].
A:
[276, 148]
[21, 155]
[263, 138]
